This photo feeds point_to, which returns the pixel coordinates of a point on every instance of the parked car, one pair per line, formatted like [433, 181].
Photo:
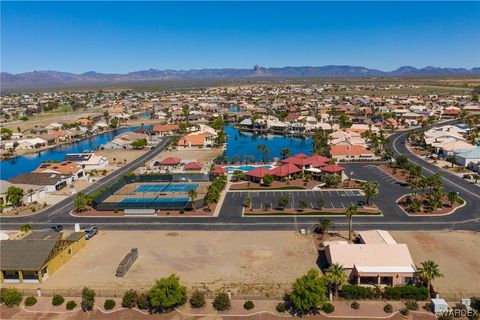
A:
[90, 232]
[57, 227]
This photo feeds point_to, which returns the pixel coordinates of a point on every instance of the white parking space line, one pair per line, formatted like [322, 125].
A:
[343, 205]
[332, 205]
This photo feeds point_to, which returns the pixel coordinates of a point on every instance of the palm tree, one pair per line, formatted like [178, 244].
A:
[264, 150]
[285, 153]
[452, 197]
[336, 276]
[302, 204]
[428, 272]
[350, 212]
[323, 226]
[248, 202]
[371, 190]
[267, 206]
[192, 194]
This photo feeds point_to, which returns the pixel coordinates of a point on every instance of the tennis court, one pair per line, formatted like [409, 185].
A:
[177, 187]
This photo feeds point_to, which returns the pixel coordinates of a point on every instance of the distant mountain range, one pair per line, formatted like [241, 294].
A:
[56, 78]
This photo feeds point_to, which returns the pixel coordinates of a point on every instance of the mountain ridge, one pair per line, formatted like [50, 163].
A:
[342, 71]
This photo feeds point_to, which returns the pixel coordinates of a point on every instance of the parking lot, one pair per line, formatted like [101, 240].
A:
[332, 199]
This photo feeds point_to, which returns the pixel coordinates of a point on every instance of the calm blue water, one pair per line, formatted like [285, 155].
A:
[28, 163]
[245, 143]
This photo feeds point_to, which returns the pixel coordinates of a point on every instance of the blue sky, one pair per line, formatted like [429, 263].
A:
[128, 36]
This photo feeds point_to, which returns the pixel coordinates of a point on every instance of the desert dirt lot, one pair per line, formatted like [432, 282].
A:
[253, 263]
[456, 253]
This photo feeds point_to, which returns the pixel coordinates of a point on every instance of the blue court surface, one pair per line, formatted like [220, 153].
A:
[181, 187]
[156, 200]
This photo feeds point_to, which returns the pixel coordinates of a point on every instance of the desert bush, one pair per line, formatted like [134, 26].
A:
[88, 299]
[411, 305]
[406, 292]
[328, 307]
[10, 296]
[129, 299]
[281, 307]
[197, 300]
[248, 305]
[352, 292]
[221, 302]
[404, 312]
[143, 302]
[30, 301]
[109, 304]
[388, 308]
[355, 305]
[71, 305]
[57, 300]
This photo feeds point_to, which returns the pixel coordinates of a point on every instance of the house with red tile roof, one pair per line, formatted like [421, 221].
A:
[165, 129]
[351, 152]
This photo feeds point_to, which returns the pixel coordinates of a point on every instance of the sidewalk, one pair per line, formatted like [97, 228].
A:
[264, 309]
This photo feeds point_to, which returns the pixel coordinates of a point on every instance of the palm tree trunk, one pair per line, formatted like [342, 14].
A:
[350, 229]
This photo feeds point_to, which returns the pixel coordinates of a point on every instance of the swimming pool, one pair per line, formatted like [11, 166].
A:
[245, 167]
[181, 187]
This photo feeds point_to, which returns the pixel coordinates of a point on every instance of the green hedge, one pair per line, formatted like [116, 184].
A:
[406, 292]
[352, 292]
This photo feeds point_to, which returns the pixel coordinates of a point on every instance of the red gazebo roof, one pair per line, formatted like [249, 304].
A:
[317, 161]
[170, 161]
[193, 166]
[259, 172]
[219, 170]
[300, 155]
[285, 170]
[332, 168]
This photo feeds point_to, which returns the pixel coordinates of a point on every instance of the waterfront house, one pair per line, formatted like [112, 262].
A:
[66, 168]
[193, 141]
[88, 161]
[27, 144]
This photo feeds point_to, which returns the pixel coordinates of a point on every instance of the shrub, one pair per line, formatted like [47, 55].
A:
[427, 307]
[129, 299]
[411, 305]
[30, 301]
[406, 292]
[445, 317]
[355, 305]
[328, 307]
[143, 302]
[10, 296]
[248, 305]
[221, 302]
[377, 292]
[281, 307]
[388, 308]
[71, 305]
[352, 292]
[404, 312]
[167, 293]
[88, 299]
[57, 300]
[109, 304]
[197, 300]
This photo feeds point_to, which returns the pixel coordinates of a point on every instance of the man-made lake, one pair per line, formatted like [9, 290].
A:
[246, 143]
[28, 163]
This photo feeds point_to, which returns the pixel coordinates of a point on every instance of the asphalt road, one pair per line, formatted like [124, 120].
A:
[230, 217]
